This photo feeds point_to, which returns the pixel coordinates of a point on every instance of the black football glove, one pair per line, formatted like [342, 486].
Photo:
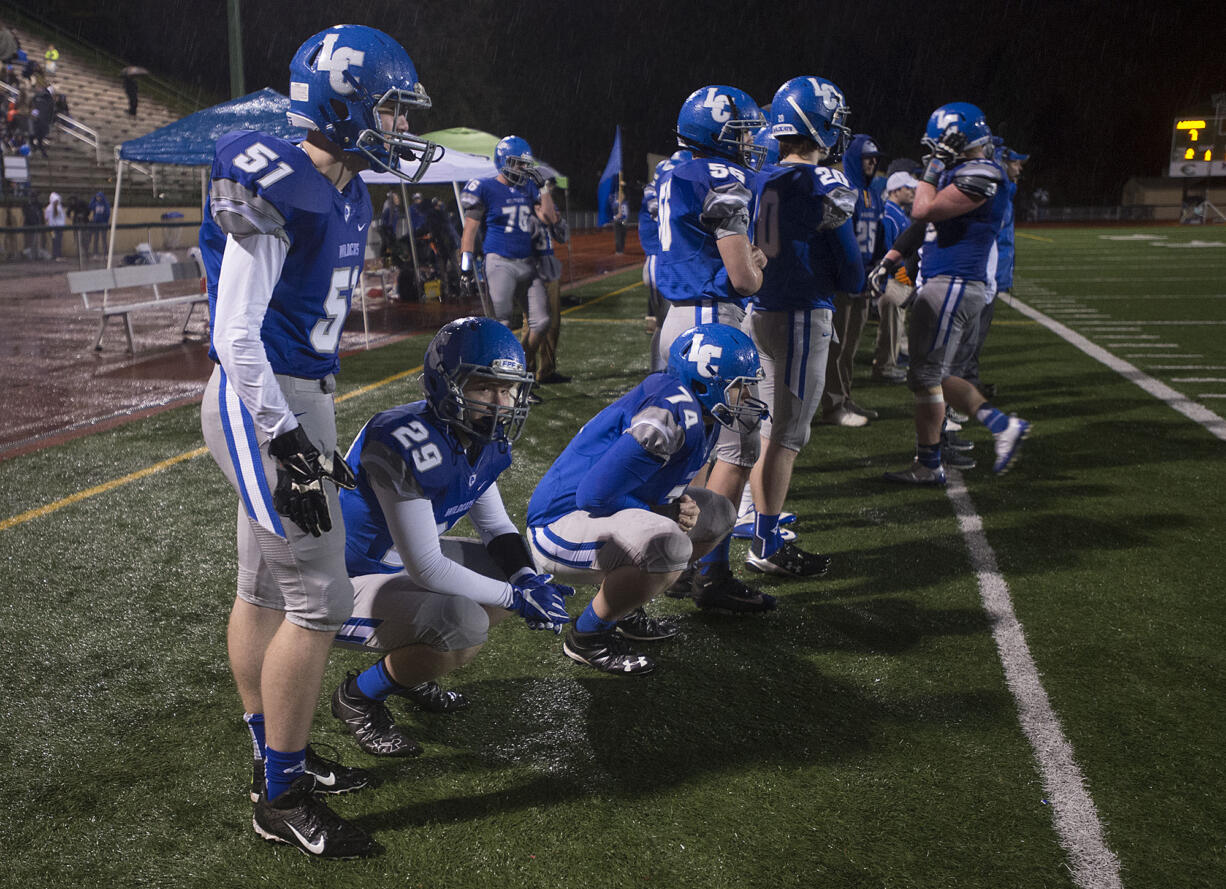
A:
[944, 154]
[300, 493]
[880, 276]
[468, 285]
[536, 175]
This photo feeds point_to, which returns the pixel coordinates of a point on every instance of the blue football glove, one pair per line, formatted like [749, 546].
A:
[540, 602]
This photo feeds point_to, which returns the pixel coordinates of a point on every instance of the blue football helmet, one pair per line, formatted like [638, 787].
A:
[344, 81]
[721, 121]
[720, 365]
[814, 108]
[477, 348]
[964, 118]
[769, 145]
[513, 159]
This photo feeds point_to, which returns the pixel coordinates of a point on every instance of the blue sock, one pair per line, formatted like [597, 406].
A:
[255, 725]
[766, 540]
[717, 557]
[929, 455]
[590, 622]
[992, 418]
[375, 683]
[280, 770]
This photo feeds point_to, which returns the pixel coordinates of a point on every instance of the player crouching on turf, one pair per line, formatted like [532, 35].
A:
[616, 507]
[421, 467]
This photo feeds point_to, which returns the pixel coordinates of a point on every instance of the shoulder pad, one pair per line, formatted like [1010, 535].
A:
[258, 180]
[978, 178]
[725, 209]
[472, 197]
[657, 430]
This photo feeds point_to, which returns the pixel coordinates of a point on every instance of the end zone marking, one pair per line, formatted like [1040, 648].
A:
[1093, 864]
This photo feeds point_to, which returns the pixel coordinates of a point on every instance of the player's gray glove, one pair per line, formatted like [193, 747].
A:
[536, 175]
[944, 154]
[881, 275]
[541, 602]
[300, 495]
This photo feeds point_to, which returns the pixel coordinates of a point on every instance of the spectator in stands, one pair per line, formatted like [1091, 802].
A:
[42, 112]
[53, 215]
[9, 44]
[99, 217]
[130, 88]
[51, 59]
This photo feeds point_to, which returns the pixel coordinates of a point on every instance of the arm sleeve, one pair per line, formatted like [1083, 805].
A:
[250, 268]
[489, 515]
[607, 487]
[411, 523]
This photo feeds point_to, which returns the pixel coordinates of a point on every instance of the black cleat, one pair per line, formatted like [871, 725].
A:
[683, 586]
[641, 627]
[304, 821]
[789, 561]
[330, 777]
[720, 591]
[428, 696]
[369, 721]
[606, 652]
[957, 460]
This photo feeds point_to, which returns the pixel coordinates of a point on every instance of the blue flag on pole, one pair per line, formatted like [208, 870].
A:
[606, 192]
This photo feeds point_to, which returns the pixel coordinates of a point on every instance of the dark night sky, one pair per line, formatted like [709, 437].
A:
[1088, 88]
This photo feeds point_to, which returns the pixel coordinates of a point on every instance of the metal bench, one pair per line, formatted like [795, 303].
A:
[106, 280]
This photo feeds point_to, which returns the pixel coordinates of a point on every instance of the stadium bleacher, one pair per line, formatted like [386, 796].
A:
[97, 100]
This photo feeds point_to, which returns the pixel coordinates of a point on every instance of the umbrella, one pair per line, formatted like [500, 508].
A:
[134, 70]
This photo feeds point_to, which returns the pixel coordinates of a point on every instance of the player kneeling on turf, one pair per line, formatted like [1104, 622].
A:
[421, 467]
[616, 507]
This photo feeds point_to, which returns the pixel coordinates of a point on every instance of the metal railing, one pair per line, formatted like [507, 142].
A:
[68, 125]
[78, 243]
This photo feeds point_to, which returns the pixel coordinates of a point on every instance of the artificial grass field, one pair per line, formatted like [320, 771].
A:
[860, 736]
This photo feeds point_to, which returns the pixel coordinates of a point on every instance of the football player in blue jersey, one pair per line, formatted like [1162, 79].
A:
[899, 289]
[649, 238]
[707, 268]
[505, 205]
[961, 200]
[804, 226]
[428, 603]
[617, 507]
[851, 309]
[283, 240]
[1002, 267]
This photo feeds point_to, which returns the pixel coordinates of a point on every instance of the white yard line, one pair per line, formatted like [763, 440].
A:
[1075, 817]
[1164, 393]
[1198, 379]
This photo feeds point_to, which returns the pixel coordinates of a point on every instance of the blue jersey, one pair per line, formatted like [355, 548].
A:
[507, 212]
[700, 201]
[960, 247]
[1004, 245]
[410, 446]
[867, 218]
[266, 185]
[664, 418]
[804, 227]
[894, 221]
[649, 210]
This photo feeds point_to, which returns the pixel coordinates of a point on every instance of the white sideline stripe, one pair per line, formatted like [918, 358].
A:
[1143, 345]
[1111, 333]
[1198, 379]
[1190, 409]
[1177, 356]
[1075, 817]
[1212, 395]
[1187, 367]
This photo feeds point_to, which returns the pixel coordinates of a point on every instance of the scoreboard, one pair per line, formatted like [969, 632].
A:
[1198, 147]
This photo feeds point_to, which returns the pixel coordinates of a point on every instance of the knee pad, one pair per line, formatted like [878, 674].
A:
[667, 551]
